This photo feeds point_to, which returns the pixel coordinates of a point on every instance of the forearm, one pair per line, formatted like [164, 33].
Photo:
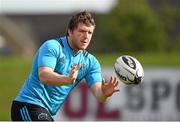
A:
[103, 90]
[100, 96]
[97, 91]
[53, 78]
[48, 76]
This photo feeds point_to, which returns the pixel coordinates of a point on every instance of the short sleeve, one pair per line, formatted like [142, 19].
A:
[94, 72]
[48, 54]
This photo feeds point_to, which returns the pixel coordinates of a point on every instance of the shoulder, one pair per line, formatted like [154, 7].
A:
[52, 43]
[91, 56]
[92, 60]
[52, 47]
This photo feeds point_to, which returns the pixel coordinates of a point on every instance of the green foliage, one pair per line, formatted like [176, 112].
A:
[133, 25]
[170, 18]
[169, 15]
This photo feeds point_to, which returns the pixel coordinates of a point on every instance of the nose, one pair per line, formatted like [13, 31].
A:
[85, 34]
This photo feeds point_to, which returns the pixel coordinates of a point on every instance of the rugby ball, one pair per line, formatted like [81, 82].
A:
[129, 70]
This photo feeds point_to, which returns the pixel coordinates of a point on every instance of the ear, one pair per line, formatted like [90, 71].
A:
[70, 32]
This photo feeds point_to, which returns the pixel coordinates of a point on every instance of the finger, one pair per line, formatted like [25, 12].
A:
[78, 67]
[72, 72]
[103, 81]
[116, 90]
[73, 79]
[111, 80]
[114, 80]
[74, 66]
[116, 83]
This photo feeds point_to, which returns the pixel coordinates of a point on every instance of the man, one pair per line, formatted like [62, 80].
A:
[59, 65]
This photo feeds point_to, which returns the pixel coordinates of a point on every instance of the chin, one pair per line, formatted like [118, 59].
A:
[83, 47]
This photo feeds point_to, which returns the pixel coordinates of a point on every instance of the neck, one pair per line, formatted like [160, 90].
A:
[75, 50]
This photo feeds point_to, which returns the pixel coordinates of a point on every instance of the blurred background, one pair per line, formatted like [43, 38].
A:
[148, 30]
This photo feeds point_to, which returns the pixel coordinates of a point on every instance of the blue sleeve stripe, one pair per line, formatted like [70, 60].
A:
[25, 114]
[22, 114]
[26, 110]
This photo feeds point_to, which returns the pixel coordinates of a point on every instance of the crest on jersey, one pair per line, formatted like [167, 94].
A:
[62, 59]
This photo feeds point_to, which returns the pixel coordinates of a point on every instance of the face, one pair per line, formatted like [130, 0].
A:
[80, 37]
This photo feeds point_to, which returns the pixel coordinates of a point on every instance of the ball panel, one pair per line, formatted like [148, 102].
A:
[129, 61]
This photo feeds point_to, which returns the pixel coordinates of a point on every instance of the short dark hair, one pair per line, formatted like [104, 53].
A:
[82, 17]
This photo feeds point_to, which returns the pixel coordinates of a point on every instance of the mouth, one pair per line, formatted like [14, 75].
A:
[84, 42]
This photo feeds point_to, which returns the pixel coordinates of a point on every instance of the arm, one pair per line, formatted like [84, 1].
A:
[46, 61]
[103, 90]
[48, 76]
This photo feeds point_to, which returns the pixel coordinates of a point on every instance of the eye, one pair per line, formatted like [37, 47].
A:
[89, 32]
[81, 31]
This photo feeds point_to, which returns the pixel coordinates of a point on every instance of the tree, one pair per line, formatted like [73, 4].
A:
[131, 26]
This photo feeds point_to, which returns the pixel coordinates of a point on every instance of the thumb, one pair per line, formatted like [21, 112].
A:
[78, 66]
[103, 81]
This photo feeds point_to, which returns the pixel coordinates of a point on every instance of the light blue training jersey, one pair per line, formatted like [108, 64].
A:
[58, 55]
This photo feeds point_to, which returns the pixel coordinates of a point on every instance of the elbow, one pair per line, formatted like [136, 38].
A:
[43, 77]
[44, 74]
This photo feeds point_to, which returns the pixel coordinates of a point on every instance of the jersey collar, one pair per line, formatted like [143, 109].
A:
[68, 47]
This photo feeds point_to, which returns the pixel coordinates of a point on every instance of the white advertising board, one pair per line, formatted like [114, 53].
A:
[157, 98]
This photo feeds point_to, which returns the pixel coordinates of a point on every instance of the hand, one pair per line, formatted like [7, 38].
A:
[74, 72]
[108, 88]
